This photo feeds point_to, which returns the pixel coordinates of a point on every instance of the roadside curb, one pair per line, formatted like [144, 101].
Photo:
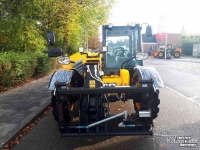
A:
[16, 130]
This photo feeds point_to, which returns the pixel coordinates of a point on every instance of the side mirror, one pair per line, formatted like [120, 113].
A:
[51, 38]
[149, 31]
[141, 56]
[55, 52]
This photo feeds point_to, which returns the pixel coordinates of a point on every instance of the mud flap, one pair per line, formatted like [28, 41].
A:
[150, 73]
[60, 76]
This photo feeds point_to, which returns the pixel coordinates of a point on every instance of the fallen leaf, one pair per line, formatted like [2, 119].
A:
[6, 146]
[32, 125]
[162, 145]
[17, 142]
[89, 140]
[21, 135]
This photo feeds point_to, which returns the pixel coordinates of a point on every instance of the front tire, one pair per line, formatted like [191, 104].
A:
[161, 54]
[141, 104]
[66, 113]
[177, 54]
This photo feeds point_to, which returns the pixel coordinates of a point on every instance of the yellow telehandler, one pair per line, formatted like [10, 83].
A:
[87, 83]
[171, 49]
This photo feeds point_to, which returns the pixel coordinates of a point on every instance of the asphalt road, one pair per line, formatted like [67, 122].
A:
[179, 116]
[181, 75]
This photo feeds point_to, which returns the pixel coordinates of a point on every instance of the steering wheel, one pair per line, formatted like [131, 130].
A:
[121, 52]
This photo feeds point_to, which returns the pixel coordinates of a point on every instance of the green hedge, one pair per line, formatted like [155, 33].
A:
[16, 68]
[187, 43]
[187, 49]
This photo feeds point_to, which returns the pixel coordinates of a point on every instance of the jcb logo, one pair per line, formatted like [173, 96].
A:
[92, 83]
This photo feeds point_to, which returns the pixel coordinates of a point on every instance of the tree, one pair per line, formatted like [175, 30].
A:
[94, 14]
[94, 42]
[20, 35]
[72, 21]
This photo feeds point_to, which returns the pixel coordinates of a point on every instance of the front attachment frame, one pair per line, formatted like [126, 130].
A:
[126, 124]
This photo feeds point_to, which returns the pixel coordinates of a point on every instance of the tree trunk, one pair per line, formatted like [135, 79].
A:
[64, 45]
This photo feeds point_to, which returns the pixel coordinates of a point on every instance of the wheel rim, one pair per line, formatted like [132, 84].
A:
[161, 54]
[176, 54]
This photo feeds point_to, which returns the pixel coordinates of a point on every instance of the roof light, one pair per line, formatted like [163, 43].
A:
[133, 24]
[110, 25]
[105, 49]
[80, 49]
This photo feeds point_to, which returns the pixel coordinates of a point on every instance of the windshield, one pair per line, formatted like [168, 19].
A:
[115, 44]
[122, 44]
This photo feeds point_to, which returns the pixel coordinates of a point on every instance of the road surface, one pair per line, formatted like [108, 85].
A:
[178, 117]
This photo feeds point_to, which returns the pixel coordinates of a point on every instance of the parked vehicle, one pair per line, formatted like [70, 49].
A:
[87, 83]
[176, 52]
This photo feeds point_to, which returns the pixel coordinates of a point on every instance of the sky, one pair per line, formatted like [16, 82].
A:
[163, 15]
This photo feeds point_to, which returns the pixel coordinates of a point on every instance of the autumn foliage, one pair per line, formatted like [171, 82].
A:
[25, 23]
[94, 42]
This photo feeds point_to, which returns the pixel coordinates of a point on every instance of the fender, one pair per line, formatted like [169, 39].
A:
[150, 72]
[60, 76]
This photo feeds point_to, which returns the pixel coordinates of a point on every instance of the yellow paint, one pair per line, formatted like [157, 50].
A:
[77, 56]
[122, 80]
[125, 76]
[92, 84]
[68, 67]
[112, 79]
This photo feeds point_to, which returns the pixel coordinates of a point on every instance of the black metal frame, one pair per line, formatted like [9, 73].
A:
[142, 128]
[101, 90]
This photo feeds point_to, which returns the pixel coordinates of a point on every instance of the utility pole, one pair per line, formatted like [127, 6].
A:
[161, 30]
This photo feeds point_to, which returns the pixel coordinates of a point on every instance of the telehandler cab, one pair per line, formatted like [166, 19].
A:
[88, 82]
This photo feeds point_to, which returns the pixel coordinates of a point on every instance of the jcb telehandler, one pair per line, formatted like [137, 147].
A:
[87, 83]
[171, 49]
